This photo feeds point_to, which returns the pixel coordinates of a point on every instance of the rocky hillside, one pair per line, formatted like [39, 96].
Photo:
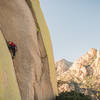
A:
[83, 76]
[62, 66]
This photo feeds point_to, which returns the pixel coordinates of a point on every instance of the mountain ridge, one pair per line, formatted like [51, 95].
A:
[62, 66]
[83, 75]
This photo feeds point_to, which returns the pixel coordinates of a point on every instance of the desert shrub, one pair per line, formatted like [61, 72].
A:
[72, 96]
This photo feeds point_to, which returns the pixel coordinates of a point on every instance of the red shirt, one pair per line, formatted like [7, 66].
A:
[11, 43]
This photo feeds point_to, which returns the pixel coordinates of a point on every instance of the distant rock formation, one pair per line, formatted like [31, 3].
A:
[22, 22]
[62, 66]
[84, 65]
[83, 76]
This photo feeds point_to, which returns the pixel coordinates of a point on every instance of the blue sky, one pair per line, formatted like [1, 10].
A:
[74, 26]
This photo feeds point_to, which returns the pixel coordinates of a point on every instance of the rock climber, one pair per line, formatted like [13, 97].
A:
[12, 48]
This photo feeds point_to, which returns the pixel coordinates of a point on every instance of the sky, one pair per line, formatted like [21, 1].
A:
[74, 26]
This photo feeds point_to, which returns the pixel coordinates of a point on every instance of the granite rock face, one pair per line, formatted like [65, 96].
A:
[83, 76]
[31, 64]
[9, 89]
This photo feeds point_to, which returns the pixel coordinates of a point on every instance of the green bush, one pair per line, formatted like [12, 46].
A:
[72, 96]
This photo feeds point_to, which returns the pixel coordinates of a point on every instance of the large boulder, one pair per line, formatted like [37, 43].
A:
[34, 61]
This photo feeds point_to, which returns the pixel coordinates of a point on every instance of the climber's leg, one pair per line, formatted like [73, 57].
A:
[14, 52]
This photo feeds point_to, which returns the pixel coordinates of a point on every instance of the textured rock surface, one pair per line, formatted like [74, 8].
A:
[31, 63]
[83, 76]
[43, 29]
[8, 84]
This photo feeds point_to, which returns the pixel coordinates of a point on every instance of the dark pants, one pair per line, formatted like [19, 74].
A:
[13, 50]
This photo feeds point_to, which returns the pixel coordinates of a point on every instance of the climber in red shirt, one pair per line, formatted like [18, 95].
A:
[12, 47]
